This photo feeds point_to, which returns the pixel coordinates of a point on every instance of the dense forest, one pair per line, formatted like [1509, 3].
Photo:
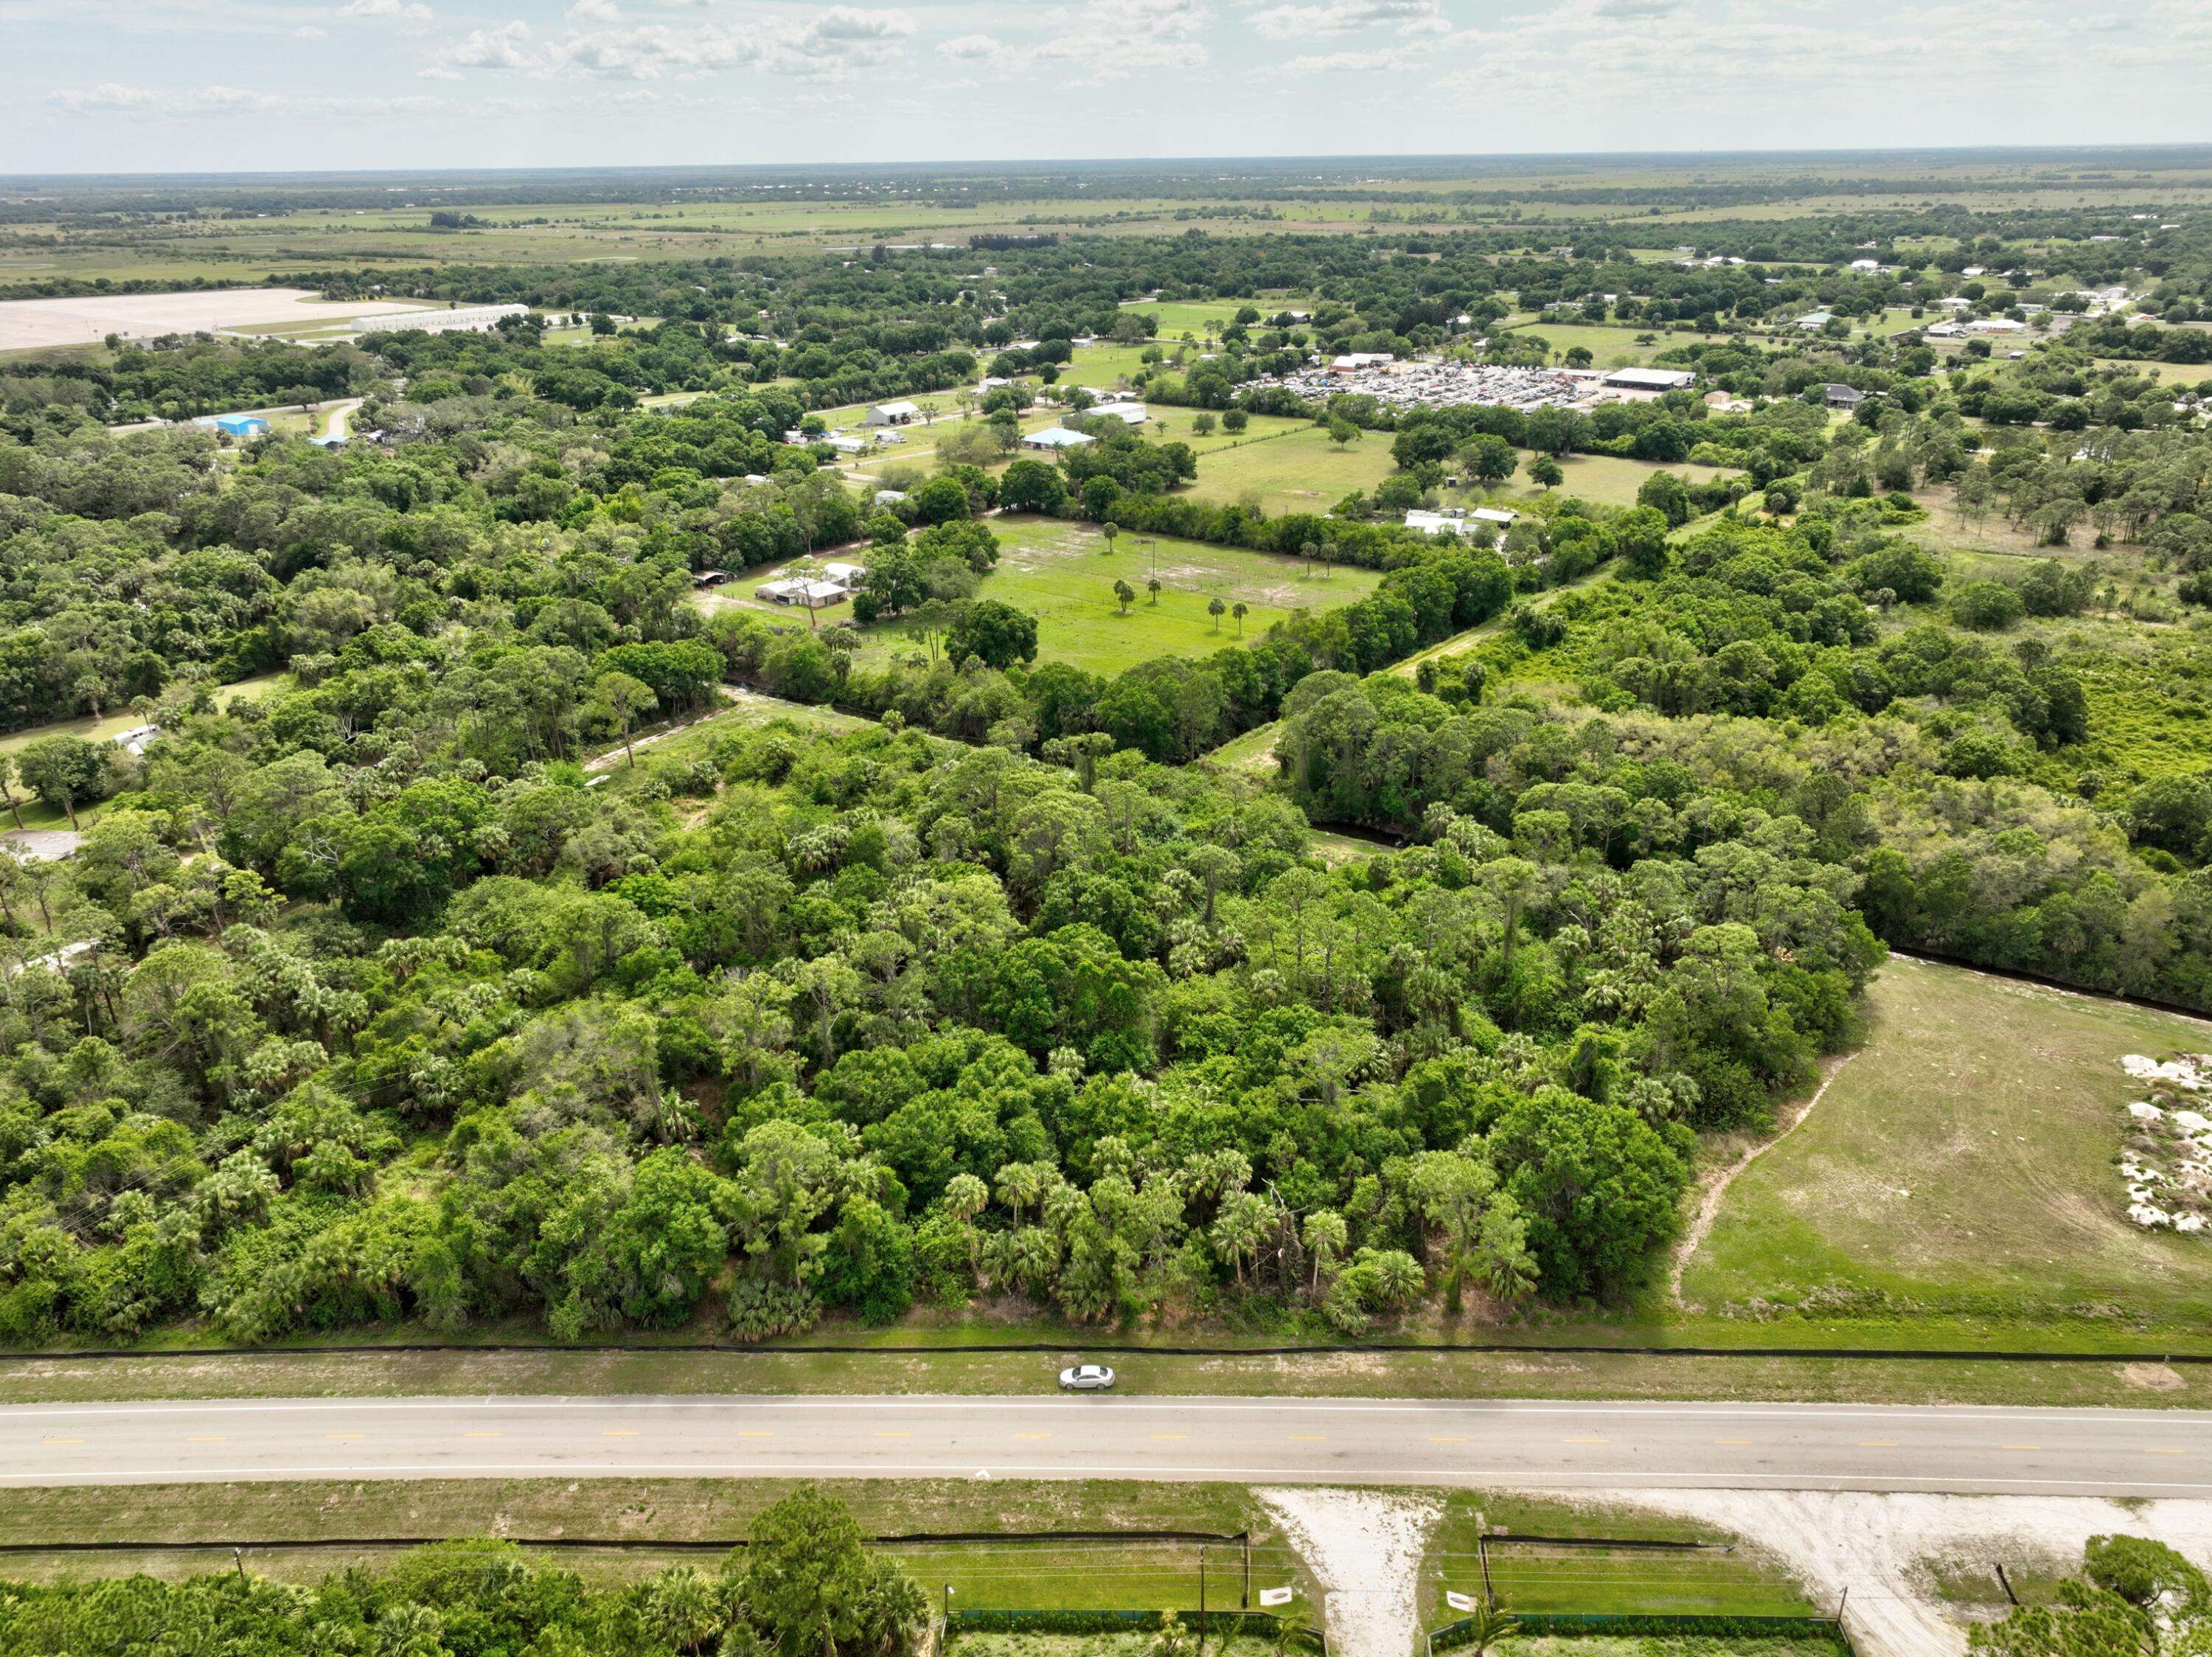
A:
[364, 999]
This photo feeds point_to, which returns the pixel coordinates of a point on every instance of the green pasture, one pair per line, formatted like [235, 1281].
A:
[1611, 345]
[1964, 1161]
[1062, 574]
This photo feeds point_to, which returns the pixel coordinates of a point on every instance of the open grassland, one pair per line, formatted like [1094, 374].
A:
[1611, 345]
[1297, 468]
[1174, 318]
[1062, 574]
[1603, 480]
[1963, 1161]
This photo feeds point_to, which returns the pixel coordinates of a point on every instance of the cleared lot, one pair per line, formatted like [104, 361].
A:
[31, 323]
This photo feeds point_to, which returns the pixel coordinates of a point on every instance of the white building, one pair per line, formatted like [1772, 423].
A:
[847, 576]
[1651, 378]
[1053, 439]
[893, 414]
[1351, 361]
[1458, 520]
[1129, 414]
[1986, 324]
[811, 594]
[1812, 320]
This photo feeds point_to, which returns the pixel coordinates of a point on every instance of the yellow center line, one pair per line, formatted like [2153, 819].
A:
[1877, 1444]
[1309, 1438]
[1585, 1440]
[2023, 1447]
[204, 1438]
[1739, 1443]
[480, 1435]
[2159, 1450]
[899, 1433]
[1163, 1436]
[334, 1437]
[1033, 1435]
[1442, 1439]
[754, 1432]
[61, 1441]
[619, 1432]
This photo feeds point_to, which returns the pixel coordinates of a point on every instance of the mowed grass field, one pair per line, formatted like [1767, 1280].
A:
[1963, 1161]
[1062, 574]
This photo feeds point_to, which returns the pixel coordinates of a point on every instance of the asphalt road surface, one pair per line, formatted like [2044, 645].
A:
[2149, 1452]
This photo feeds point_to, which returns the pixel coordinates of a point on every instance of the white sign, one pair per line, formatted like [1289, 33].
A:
[1459, 1601]
[1277, 1596]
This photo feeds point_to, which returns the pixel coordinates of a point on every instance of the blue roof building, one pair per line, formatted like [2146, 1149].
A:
[242, 425]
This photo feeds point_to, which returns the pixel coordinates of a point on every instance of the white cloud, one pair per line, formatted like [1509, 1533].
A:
[1111, 23]
[114, 98]
[851, 34]
[309, 32]
[973, 49]
[594, 12]
[397, 11]
[1347, 63]
[650, 51]
[504, 47]
[1289, 22]
[439, 72]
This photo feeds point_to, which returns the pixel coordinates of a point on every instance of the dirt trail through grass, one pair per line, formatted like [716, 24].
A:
[1709, 1205]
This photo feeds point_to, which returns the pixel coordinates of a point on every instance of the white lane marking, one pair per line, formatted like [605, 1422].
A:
[1635, 1478]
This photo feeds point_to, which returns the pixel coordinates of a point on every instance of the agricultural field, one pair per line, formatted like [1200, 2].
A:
[1963, 1161]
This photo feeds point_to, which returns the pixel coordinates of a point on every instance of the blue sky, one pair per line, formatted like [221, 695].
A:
[175, 85]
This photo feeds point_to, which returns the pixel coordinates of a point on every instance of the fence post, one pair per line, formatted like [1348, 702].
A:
[1482, 1552]
[1201, 1597]
[1245, 1600]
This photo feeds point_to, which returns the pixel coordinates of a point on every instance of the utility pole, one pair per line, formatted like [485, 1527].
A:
[1201, 1599]
[1245, 1600]
[1482, 1552]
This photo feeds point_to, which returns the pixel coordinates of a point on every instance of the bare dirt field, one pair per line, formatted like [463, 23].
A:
[33, 324]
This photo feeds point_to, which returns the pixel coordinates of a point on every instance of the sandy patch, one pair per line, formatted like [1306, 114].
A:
[1365, 1547]
[2152, 1377]
[1880, 1546]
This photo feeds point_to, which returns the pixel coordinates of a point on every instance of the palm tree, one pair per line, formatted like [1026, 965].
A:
[1216, 609]
[1307, 553]
[1240, 610]
[1153, 587]
[1109, 529]
[1293, 1623]
[1486, 1625]
[1123, 593]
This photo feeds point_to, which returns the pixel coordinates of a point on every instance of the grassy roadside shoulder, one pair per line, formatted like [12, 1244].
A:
[653, 1519]
[1342, 1374]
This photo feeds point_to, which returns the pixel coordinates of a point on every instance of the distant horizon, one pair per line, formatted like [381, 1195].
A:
[1137, 165]
[102, 87]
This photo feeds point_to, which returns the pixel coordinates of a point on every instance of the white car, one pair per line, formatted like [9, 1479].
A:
[1086, 1377]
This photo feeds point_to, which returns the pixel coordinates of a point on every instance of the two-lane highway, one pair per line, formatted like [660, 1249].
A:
[1965, 1450]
